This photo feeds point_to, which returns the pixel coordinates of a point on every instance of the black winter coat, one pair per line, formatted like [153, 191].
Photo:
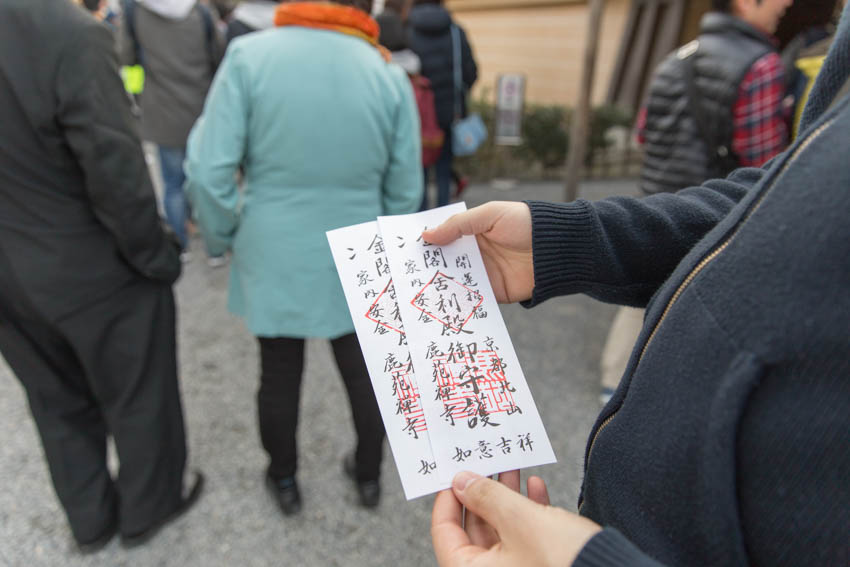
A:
[430, 38]
[78, 215]
[679, 152]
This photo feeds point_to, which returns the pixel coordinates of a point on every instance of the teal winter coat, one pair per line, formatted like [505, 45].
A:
[326, 134]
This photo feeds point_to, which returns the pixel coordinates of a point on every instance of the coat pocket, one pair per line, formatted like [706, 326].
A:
[717, 467]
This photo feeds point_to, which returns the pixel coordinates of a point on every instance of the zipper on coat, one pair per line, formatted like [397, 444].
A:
[696, 271]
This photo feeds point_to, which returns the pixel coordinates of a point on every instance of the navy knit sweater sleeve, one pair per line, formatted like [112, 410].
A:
[610, 547]
[620, 250]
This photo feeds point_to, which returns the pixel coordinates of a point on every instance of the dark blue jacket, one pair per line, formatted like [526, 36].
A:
[430, 38]
[726, 442]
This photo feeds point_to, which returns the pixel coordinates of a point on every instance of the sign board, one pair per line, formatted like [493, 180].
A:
[510, 99]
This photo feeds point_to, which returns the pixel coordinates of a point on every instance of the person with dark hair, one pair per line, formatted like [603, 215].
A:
[327, 135]
[250, 16]
[87, 316]
[94, 5]
[100, 10]
[393, 36]
[430, 37]
[726, 440]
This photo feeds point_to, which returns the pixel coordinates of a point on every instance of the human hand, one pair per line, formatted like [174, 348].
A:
[504, 528]
[503, 231]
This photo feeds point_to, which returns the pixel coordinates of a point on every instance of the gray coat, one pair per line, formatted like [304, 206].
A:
[179, 57]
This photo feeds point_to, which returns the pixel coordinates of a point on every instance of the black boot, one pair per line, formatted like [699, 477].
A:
[286, 493]
[369, 491]
[193, 486]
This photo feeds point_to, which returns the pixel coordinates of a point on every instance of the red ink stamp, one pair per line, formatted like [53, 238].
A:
[473, 384]
[384, 311]
[447, 301]
[408, 403]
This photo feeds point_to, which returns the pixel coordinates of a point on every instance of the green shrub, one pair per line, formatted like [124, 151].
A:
[603, 118]
[545, 132]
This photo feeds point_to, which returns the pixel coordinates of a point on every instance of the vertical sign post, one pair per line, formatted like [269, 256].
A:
[510, 99]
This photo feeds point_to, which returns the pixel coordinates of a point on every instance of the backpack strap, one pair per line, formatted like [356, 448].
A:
[456, 69]
[720, 156]
[209, 32]
[129, 8]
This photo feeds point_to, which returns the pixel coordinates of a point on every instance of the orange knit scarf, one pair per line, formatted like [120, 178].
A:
[330, 16]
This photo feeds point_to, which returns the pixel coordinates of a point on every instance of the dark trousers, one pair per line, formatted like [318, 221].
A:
[282, 363]
[108, 369]
[443, 172]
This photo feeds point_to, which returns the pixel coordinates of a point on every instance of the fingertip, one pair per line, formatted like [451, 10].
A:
[537, 491]
[454, 227]
[495, 503]
[432, 235]
[511, 479]
[442, 234]
[463, 479]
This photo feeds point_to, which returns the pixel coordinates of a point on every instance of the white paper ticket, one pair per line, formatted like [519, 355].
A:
[430, 309]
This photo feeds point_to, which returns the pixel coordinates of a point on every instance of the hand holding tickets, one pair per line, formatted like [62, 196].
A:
[448, 383]
[504, 528]
[503, 233]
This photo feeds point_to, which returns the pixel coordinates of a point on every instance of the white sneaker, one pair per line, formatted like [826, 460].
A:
[216, 261]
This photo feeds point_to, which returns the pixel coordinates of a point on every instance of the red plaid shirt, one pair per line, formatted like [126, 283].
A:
[759, 130]
[759, 127]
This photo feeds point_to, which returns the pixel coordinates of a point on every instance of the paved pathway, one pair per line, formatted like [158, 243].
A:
[236, 523]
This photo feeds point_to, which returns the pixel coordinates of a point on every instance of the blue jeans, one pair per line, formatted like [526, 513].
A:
[174, 200]
[443, 169]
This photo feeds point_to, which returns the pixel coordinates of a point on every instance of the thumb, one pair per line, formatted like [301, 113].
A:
[453, 228]
[495, 503]
[474, 221]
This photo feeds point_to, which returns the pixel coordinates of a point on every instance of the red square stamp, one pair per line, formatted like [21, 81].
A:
[473, 385]
[384, 311]
[447, 301]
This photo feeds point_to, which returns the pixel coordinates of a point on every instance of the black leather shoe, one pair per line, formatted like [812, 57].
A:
[189, 498]
[286, 493]
[369, 491]
[98, 543]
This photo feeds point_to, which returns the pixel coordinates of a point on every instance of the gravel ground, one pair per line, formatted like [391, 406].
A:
[235, 522]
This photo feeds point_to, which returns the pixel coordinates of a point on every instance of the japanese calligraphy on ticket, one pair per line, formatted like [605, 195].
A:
[477, 404]
[430, 308]
[363, 269]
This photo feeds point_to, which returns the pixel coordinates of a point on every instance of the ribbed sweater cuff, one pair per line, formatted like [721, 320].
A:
[610, 548]
[565, 248]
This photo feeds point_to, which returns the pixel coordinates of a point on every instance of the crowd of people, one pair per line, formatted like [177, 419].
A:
[251, 160]
[724, 440]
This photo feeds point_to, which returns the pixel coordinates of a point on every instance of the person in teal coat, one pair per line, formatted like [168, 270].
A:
[326, 134]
